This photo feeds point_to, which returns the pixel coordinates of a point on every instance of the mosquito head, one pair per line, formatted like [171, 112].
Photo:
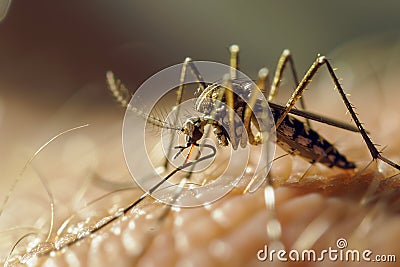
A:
[193, 129]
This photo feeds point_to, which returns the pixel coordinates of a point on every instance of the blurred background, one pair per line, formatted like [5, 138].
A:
[54, 56]
[50, 50]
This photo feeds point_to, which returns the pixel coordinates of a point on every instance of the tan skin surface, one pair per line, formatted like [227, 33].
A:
[232, 230]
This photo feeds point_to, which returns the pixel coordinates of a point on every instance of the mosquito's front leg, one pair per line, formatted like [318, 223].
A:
[249, 113]
[187, 63]
[285, 59]
[227, 84]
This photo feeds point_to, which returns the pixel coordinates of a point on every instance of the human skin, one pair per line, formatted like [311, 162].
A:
[232, 230]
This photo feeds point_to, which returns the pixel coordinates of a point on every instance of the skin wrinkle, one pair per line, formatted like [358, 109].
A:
[240, 226]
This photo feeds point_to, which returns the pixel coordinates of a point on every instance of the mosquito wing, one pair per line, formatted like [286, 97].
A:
[316, 117]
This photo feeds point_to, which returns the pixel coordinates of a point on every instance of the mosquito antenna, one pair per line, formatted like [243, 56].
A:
[123, 96]
[118, 89]
[155, 121]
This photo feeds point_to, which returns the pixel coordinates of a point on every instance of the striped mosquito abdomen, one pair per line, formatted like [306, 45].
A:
[296, 138]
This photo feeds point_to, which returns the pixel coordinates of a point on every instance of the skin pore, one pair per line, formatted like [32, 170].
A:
[314, 212]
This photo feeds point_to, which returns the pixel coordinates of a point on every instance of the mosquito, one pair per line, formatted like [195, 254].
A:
[293, 135]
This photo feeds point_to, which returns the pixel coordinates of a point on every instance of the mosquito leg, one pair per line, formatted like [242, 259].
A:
[156, 228]
[227, 91]
[153, 189]
[303, 85]
[179, 95]
[227, 84]
[234, 60]
[372, 149]
[285, 59]
[248, 113]
[193, 69]
[273, 225]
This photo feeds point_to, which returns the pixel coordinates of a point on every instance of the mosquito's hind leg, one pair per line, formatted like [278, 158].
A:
[229, 94]
[320, 61]
[372, 149]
